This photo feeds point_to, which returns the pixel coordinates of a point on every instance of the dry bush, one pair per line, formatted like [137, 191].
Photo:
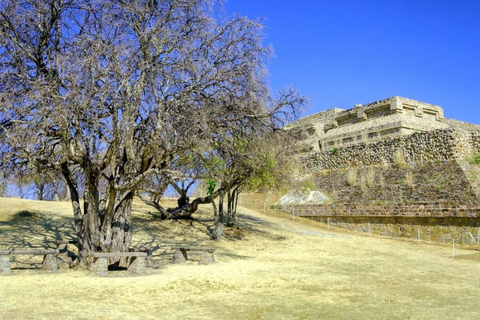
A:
[238, 233]
[381, 181]
[363, 182]
[420, 161]
[332, 197]
[352, 177]
[370, 177]
[409, 179]
[399, 159]
[384, 164]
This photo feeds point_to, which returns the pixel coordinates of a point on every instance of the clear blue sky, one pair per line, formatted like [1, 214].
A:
[344, 52]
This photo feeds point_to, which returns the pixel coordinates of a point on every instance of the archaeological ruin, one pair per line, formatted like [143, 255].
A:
[394, 167]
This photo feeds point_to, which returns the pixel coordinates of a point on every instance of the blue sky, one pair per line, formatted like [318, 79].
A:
[344, 52]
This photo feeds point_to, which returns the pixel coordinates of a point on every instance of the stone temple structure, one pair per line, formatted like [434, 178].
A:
[385, 119]
[395, 167]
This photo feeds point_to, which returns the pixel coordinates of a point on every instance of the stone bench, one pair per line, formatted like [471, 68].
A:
[62, 246]
[136, 263]
[49, 258]
[180, 254]
[148, 251]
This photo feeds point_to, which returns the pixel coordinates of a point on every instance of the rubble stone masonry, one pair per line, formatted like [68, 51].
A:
[395, 167]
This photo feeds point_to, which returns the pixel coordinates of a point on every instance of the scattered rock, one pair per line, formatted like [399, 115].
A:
[299, 197]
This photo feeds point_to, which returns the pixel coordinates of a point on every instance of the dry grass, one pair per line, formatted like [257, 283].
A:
[399, 159]
[271, 268]
[409, 179]
[352, 177]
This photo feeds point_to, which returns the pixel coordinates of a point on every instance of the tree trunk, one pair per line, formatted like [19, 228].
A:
[220, 206]
[154, 203]
[40, 190]
[234, 213]
[97, 229]
[215, 211]
[183, 199]
[116, 233]
[77, 212]
[187, 210]
[217, 230]
[232, 206]
[230, 197]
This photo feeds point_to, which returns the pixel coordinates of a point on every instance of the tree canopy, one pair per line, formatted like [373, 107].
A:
[110, 93]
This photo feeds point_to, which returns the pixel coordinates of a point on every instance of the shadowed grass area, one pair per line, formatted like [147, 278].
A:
[271, 267]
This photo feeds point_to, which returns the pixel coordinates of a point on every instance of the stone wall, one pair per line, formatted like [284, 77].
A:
[461, 125]
[384, 119]
[432, 146]
[395, 167]
[321, 117]
[411, 210]
[426, 182]
[430, 222]
[476, 142]
[462, 230]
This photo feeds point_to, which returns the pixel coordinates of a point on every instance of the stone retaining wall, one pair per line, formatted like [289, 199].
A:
[432, 146]
[446, 182]
[429, 222]
[438, 210]
[385, 168]
[437, 229]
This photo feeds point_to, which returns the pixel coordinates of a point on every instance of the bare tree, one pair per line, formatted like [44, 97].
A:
[115, 90]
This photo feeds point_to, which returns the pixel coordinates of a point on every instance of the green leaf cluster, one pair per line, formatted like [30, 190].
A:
[211, 184]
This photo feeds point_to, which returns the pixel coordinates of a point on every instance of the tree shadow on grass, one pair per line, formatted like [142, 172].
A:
[33, 229]
[163, 235]
[27, 229]
[252, 224]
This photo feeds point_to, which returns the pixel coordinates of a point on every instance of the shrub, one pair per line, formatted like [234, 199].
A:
[308, 185]
[363, 182]
[409, 179]
[381, 181]
[211, 184]
[399, 159]
[352, 177]
[370, 177]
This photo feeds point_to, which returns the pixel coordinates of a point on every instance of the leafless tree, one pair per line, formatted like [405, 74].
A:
[115, 90]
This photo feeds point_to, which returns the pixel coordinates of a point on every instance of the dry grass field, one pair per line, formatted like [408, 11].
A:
[270, 268]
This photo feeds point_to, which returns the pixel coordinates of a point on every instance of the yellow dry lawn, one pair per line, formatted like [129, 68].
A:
[270, 268]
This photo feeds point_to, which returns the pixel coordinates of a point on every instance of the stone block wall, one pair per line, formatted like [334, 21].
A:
[425, 183]
[444, 182]
[319, 117]
[396, 167]
[429, 222]
[431, 146]
[380, 120]
[476, 142]
[462, 230]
